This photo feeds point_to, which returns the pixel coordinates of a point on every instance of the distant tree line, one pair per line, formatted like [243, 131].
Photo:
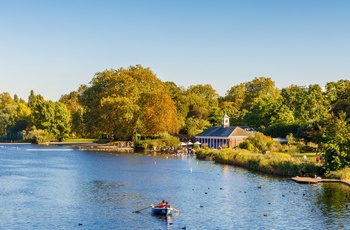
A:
[132, 102]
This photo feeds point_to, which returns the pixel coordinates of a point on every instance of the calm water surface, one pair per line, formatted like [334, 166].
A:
[64, 188]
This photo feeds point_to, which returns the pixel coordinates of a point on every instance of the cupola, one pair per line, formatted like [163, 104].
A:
[225, 121]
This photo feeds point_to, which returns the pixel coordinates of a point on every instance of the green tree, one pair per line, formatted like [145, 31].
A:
[237, 96]
[6, 100]
[335, 140]
[7, 110]
[339, 95]
[78, 127]
[236, 116]
[334, 90]
[283, 115]
[215, 116]
[263, 113]
[307, 104]
[34, 99]
[52, 117]
[294, 97]
[76, 110]
[259, 88]
[19, 117]
[249, 100]
[201, 99]
[195, 126]
[6, 118]
[316, 104]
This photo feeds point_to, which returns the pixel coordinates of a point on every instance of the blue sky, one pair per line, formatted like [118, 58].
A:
[53, 47]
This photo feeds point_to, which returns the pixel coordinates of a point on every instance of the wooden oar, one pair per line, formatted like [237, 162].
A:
[175, 209]
[141, 209]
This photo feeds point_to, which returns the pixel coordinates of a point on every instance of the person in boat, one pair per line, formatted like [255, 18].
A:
[167, 205]
[161, 204]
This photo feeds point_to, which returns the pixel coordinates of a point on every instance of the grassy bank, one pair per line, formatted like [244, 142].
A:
[281, 164]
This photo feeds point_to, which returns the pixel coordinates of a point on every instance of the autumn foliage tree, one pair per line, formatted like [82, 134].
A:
[159, 114]
[120, 103]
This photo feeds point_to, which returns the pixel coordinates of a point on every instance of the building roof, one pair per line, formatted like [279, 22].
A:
[219, 131]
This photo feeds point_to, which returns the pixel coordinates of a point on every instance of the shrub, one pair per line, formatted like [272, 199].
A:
[260, 143]
[39, 136]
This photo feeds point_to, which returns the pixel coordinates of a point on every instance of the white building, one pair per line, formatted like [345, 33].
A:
[223, 136]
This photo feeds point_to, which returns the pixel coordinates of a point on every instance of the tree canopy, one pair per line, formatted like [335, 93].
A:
[123, 103]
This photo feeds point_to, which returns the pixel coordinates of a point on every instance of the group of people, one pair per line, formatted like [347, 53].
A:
[318, 158]
[163, 204]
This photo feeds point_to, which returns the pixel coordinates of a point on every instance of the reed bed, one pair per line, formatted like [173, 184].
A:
[275, 163]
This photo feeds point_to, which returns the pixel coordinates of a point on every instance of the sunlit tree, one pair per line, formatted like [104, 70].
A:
[335, 140]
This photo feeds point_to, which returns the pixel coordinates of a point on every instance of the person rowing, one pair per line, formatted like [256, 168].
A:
[161, 204]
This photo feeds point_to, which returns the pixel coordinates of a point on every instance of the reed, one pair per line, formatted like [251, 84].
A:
[276, 163]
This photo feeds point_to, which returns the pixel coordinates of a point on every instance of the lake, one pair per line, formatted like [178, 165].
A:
[44, 187]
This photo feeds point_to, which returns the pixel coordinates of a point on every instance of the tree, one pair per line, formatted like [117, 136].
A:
[117, 119]
[215, 116]
[6, 118]
[178, 95]
[159, 114]
[8, 109]
[18, 120]
[339, 95]
[335, 140]
[71, 101]
[195, 126]
[116, 94]
[249, 99]
[334, 90]
[237, 95]
[262, 113]
[307, 104]
[316, 105]
[34, 99]
[283, 115]
[257, 89]
[78, 127]
[293, 97]
[52, 117]
[62, 120]
[6, 100]
[201, 99]
[236, 116]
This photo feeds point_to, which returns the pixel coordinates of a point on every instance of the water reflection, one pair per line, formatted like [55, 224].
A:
[334, 199]
[167, 221]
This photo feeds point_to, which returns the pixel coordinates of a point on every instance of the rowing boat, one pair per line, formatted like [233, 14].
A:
[156, 210]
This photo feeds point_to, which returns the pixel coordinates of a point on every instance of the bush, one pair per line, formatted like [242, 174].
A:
[163, 141]
[260, 143]
[39, 136]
